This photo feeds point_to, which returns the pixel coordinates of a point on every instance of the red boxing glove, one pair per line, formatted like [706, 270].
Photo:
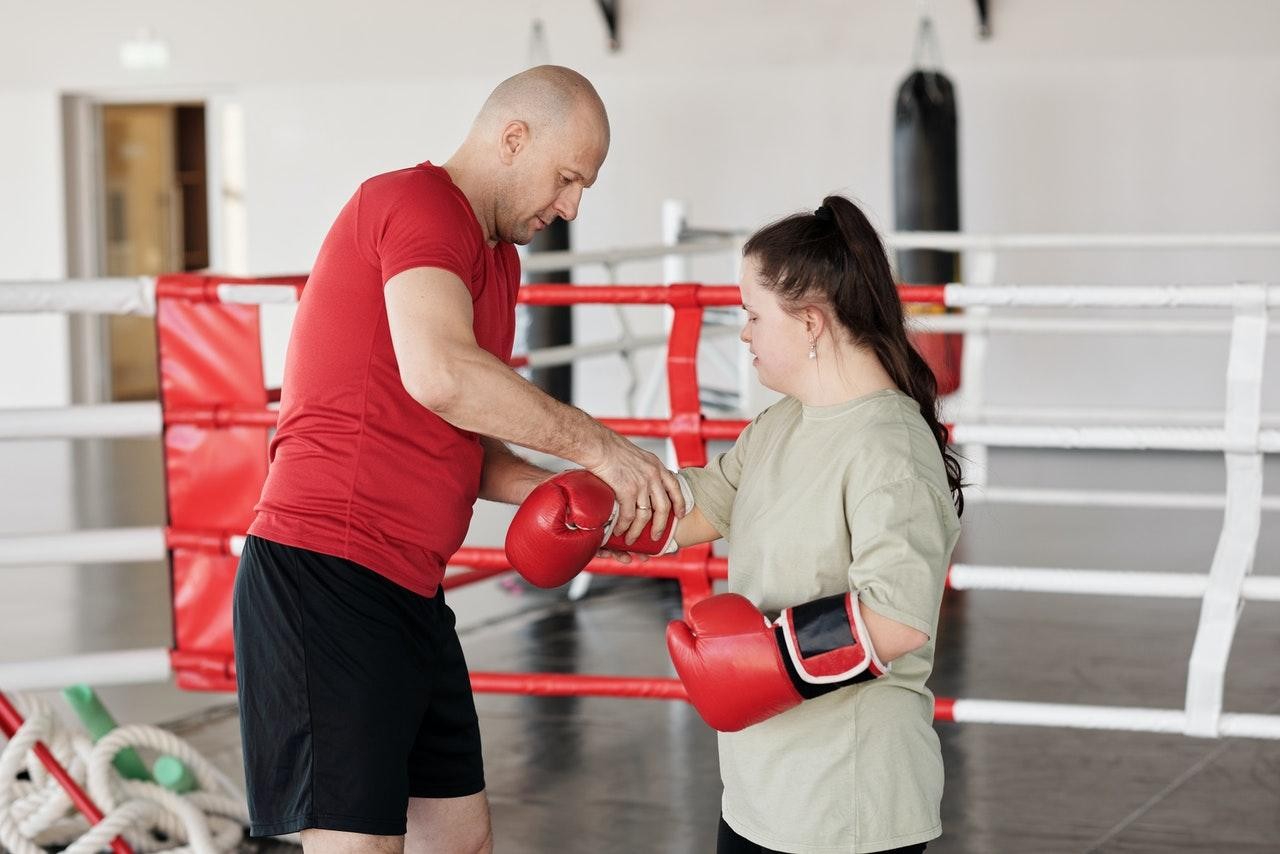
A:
[560, 527]
[740, 669]
[727, 656]
[645, 544]
[563, 523]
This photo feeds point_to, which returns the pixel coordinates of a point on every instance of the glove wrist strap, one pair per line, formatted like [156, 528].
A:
[825, 645]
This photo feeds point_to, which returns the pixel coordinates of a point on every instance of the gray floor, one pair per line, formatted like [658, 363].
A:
[593, 775]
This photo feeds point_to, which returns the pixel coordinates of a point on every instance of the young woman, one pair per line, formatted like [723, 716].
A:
[840, 504]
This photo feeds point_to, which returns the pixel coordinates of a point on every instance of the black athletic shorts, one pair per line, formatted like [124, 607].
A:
[354, 695]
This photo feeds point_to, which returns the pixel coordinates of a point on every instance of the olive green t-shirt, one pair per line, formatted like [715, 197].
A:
[816, 501]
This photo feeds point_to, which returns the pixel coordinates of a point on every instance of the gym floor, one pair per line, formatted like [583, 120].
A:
[600, 775]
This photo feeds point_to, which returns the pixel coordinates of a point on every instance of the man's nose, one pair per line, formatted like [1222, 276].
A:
[567, 203]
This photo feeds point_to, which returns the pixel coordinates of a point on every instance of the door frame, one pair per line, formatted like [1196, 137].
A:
[84, 180]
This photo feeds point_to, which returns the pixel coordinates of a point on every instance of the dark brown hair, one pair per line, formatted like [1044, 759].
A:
[834, 255]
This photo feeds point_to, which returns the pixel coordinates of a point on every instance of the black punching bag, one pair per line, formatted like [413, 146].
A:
[551, 325]
[926, 192]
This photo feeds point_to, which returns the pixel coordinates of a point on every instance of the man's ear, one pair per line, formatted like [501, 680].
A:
[515, 136]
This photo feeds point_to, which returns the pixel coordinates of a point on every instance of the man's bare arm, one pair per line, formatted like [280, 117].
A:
[507, 477]
[444, 368]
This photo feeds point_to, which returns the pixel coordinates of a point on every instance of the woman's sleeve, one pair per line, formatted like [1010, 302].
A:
[902, 536]
[715, 485]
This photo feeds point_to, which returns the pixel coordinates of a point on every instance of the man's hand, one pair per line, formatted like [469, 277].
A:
[643, 487]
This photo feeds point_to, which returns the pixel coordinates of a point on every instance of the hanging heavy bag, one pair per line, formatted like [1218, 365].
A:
[926, 187]
[551, 325]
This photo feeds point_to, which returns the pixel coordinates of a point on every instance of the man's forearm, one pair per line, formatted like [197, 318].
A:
[472, 390]
[506, 477]
[493, 400]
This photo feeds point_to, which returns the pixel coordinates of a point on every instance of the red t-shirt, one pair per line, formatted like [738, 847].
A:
[359, 469]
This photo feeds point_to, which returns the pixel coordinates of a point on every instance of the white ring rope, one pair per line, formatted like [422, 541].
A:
[1009, 712]
[1102, 582]
[145, 419]
[1233, 558]
[972, 324]
[1110, 416]
[543, 261]
[1108, 296]
[126, 420]
[36, 813]
[137, 295]
[1118, 438]
[1102, 498]
[103, 545]
[121, 667]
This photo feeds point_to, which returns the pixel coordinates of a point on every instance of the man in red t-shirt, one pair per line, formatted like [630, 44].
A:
[356, 710]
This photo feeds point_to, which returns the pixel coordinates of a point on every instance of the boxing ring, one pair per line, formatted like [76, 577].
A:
[216, 414]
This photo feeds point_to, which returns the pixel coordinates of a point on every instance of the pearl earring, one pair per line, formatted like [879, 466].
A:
[813, 349]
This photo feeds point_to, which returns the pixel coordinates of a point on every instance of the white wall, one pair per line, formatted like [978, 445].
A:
[34, 356]
[32, 246]
[1098, 115]
[36, 478]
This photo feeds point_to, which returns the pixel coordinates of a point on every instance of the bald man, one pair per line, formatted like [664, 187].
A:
[359, 726]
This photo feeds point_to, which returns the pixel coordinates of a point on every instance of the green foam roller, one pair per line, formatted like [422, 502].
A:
[170, 772]
[98, 721]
